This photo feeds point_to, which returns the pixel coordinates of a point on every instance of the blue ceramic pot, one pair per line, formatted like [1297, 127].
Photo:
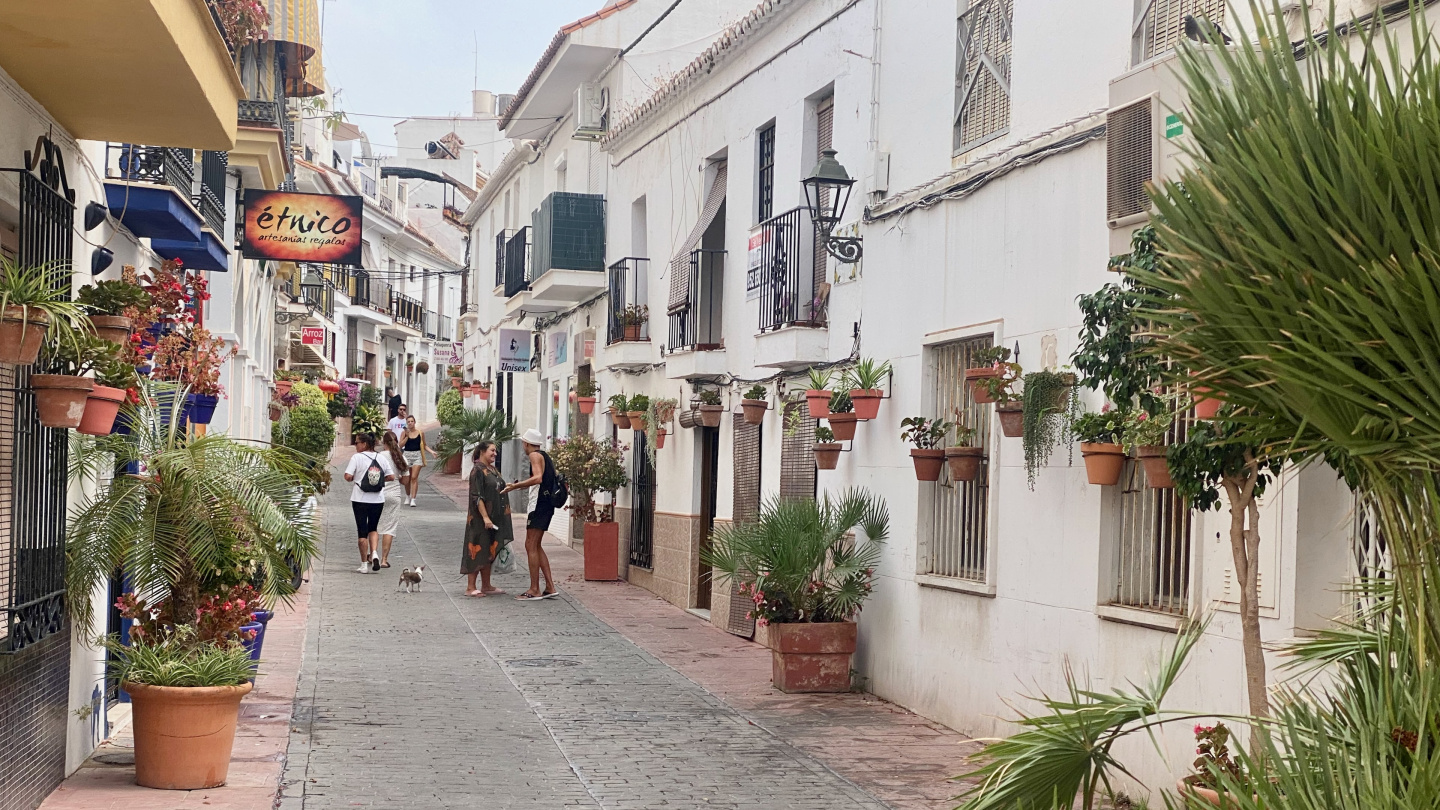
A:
[200, 408]
[262, 618]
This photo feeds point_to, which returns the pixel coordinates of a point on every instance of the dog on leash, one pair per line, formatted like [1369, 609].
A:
[410, 580]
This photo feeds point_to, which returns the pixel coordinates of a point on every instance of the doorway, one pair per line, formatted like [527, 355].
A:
[709, 489]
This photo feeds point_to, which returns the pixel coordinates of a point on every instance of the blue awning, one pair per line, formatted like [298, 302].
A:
[205, 254]
[153, 211]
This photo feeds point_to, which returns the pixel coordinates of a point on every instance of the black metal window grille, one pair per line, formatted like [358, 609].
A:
[626, 291]
[642, 506]
[501, 239]
[787, 278]
[211, 199]
[697, 326]
[765, 174]
[517, 262]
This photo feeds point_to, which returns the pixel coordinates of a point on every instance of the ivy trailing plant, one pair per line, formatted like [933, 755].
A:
[660, 412]
[1049, 406]
[1112, 354]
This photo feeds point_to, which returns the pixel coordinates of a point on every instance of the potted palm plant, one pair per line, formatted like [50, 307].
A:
[841, 416]
[35, 308]
[203, 504]
[808, 573]
[925, 434]
[817, 397]
[1144, 435]
[1099, 435]
[710, 408]
[963, 460]
[620, 411]
[585, 391]
[754, 404]
[826, 449]
[465, 429]
[639, 406]
[591, 466]
[866, 393]
[113, 307]
[991, 363]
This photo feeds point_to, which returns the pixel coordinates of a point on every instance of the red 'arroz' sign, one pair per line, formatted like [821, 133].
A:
[289, 226]
[312, 335]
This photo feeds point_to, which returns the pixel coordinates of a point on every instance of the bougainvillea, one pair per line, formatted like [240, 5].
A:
[242, 21]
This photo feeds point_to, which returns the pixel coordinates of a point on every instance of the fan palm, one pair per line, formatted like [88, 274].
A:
[471, 426]
[196, 506]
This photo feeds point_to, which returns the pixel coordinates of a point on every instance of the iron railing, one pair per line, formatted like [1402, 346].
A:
[517, 262]
[407, 311]
[321, 296]
[337, 274]
[501, 239]
[627, 290]
[369, 292]
[211, 199]
[254, 112]
[642, 506]
[432, 324]
[697, 324]
[787, 272]
[151, 164]
[1152, 557]
[958, 542]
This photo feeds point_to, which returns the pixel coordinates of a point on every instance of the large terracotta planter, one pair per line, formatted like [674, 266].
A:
[811, 657]
[754, 410]
[1157, 469]
[1012, 419]
[632, 331]
[964, 462]
[819, 403]
[621, 419]
[637, 420]
[184, 735]
[452, 465]
[114, 328]
[867, 402]
[482, 393]
[710, 415]
[587, 404]
[843, 425]
[973, 376]
[602, 552]
[60, 399]
[343, 425]
[928, 464]
[827, 455]
[1104, 463]
[20, 338]
[101, 407]
[282, 387]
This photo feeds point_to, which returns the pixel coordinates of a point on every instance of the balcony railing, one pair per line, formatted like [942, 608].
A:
[501, 239]
[627, 289]
[211, 199]
[517, 262]
[447, 328]
[432, 324]
[337, 274]
[321, 296]
[369, 292]
[253, 112]
[407, 311]
[152, 164]
[697, 325]
[787, 272]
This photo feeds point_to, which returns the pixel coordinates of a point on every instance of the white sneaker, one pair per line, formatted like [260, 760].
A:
[364, 568]
[412, 502]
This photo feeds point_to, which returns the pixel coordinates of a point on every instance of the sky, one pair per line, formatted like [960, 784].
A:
[418, 57]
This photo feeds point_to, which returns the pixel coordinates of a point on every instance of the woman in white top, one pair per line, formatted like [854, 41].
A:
[394, 499]
[367, 506]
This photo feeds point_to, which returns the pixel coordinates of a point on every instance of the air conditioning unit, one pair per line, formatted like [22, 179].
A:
[592, 108]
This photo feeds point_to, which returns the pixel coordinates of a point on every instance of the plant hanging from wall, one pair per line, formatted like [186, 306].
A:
[1049, 405]
[661, 411]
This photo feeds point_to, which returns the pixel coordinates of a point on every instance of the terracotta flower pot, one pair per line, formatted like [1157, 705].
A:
[466, 393]
[1104, 462]
[1184, 786]
[276, 413]
[587, 404]
[660, 434]
[1157, 469]
[114, 328]
[101, 407]
[964, 462]
[843, 425]
[602, 552]
[637, 420]
[483, 394]
[827, 455]
[20, 338]
[455, 382]
[710, 415]
[453, 465]
[60, 398]
[1012, 419]
[819, 402]
[811, 656]
[1206, 406]
[973, 376]
[928, 464]
[282, 387]
[754, 410]
[184, 735]
[632, 331]
[867, 402]
[621, 419]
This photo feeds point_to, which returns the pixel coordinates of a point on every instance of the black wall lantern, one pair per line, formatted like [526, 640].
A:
[827, 191]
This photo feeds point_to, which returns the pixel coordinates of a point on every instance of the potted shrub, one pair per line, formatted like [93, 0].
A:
[639, 406]
[284, 379]
[1099, 435]
[1047, 409]
[842, 416]
[592, 466]
[1144, 435]
[754, 404]
[711, 411]
[827, 450]
[35, 308]
[585, 391]
[632, 318]
[925, 434]
[409, 366]
[992, 363]
[456, 377]
[866, 378]
[818, 395]
[113, 307]
[203, 504]
[963, 460]
[808, 571]
[620, 411]
[62, 396]
[465, 429]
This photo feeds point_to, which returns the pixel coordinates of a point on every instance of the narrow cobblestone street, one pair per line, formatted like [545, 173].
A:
[434, 699]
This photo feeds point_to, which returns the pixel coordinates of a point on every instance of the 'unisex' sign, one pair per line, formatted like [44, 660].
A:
[289, 226]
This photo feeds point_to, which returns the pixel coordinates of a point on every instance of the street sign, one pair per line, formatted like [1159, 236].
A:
[312, 335]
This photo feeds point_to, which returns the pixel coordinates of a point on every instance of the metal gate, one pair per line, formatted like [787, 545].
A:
[642, 506]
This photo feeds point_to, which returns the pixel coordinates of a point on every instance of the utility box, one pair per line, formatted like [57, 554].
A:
[569, 233]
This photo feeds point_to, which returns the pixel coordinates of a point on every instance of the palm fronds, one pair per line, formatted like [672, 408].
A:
[471, 426]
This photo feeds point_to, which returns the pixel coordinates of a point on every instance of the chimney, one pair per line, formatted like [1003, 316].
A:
[483, 102]
[502, 101]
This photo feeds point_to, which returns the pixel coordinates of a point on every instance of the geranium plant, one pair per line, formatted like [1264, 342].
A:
[925, 434]
[242, 21]
[192, 357]
[1099, 427]
[590, 466]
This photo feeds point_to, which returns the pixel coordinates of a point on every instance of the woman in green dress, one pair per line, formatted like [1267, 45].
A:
[487, 525]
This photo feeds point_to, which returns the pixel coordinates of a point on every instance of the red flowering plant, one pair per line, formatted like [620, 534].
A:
[192, 357]
[219, 617]
[242, 21]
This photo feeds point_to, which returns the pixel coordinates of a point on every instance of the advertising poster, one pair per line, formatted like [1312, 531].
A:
[756, 254]
[514, 350]
[289, 226]
[559, 348]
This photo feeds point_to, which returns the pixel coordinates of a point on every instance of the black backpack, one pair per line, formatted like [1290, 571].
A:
[558, 493]
[373, 479]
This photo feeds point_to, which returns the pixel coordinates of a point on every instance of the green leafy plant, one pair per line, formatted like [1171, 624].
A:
[619, 403]
[707, 396]
[449, 406]
[116, 297]
[179, 659]
[455, 372]
[819, 379]
[289, 376]
[755, 392]
[925, 434]
[634, 315]
[42, 292]
[1114, 350]
[86, 353]
[1213, 750]
[586, 388]
[310, 395]
[869, 374]
[639, 402]
[370, 396]
[369, 420]
[470, 427]
[824, 435]
[662, 410]
[310, 431]
[590, 466]
[840, 402]
[963, 432]
[798, 561]
[1048, 407]
[1143, 430]
[1099, 427]
[1002, 388]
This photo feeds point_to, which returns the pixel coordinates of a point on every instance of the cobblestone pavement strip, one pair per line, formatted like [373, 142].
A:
[436, 700]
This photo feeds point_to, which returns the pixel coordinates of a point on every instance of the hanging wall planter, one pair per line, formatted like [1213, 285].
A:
[456, 382]
[20, 338]
[101, 408]
[1157, 469]
[973, 376]
[964, 462]
[660, 434]
[867, 402]
[710, 415]
[1104, 463]
[621, 419]
[689, 419]
[819, 402]
[202, 407]
[482, 393]
[1012, 418]
[586, 404]
[827, 455]
[282, 387]
[928, 463]
[843, 425]
[754, 410]
[637, 420]
[60, 399]
[114, 328]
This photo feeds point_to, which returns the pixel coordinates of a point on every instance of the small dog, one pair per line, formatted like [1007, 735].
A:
[410, 580]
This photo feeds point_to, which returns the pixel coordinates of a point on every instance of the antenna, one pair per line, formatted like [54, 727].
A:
[475, 80]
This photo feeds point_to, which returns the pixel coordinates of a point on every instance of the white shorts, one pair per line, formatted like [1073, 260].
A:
[414, 459]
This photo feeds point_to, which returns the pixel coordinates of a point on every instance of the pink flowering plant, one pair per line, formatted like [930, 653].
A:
[219, 616]
[590, 466]
[1214, 766]
[802, 559]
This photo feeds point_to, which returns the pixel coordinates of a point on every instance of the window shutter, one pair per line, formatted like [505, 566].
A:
[824, 139]
[1161, 24]
[747, 508]
[982, 73]
[1129, 158]
[797, 457]
[680, 264]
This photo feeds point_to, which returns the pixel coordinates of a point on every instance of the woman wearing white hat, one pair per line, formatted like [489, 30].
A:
[541, 509]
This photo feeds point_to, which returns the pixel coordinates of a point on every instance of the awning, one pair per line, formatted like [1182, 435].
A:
[680, 265]
[295, 28]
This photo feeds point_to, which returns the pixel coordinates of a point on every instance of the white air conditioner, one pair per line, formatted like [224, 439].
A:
[592, 105]
[1142, 129]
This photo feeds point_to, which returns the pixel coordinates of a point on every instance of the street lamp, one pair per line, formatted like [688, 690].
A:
[827, 191]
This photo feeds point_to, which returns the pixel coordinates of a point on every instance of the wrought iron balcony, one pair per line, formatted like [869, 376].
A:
[162, 165]
[369, 292]
[696, 324]
[253, 112]
[501, 239]
[787, 272]
[627, 290]
[517, 262]
[407, 311]
[211, 199]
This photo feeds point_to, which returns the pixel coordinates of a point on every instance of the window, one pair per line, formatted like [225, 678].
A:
[1152, 554]
[1160, 24]
[797, 458]
[824, 139]
[959, 534]
[982, 73]
[1370, 555]
[765, 174]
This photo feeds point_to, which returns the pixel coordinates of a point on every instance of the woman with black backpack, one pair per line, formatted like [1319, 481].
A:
[369, 471]
[543, 484]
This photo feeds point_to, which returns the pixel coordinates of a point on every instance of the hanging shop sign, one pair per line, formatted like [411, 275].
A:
[449, 353]
[514, 350]
[312, 335]
[559, 343]
[296, 227]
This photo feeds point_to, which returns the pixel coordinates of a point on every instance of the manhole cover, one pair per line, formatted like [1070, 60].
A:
[118, 758]
[543, 662]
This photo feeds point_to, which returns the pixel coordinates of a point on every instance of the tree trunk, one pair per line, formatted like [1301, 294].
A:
[1245, 551]
[185, 597]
